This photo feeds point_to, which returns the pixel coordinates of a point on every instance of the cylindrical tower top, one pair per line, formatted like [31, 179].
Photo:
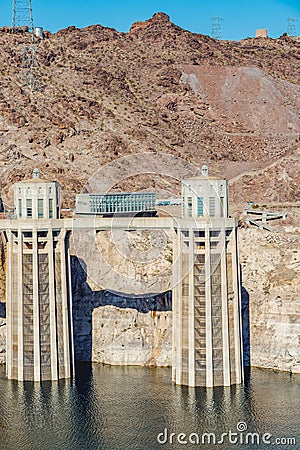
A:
[37, 198]
[204, 196]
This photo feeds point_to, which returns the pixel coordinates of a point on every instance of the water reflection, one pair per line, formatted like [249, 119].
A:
[124, 408]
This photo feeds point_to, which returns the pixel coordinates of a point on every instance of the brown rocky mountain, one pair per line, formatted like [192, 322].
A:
[104, 94]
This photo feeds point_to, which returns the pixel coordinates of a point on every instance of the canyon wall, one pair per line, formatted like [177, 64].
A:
[140, 334]
[138, 330]
[122, 329]
[270, 265]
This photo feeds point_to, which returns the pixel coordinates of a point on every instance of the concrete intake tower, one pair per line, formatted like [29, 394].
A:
[206, 293]
[39, 325]
[207, 333]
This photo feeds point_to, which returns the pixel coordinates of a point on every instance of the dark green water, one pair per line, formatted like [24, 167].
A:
[127, 407]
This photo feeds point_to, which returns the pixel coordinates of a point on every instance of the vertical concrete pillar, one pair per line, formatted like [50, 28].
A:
[225, 320]
[9, 276]
[191, 309]
[52, 307]
[209, 355]
[175, 282]
[241, 365]
[36, 307]
[71, 331]
[177, 311]
[65, 305]
[237, 312]
[20, 303]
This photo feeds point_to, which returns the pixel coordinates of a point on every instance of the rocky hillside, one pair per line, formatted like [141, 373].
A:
[105, 94]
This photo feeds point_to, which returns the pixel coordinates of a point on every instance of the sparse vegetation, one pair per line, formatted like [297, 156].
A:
[98, 89]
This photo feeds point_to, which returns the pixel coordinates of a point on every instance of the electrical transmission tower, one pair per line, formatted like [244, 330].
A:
[22, 19]
[216, 27]
[30, 66]
[22, 15]
[291, 26]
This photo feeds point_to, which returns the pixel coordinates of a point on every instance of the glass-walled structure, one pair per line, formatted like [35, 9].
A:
[123, 203]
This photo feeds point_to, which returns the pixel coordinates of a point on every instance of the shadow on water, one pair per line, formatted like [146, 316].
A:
[84, 377]
[245, 323]
[85, 300]
[52, 415]
[247, 376]
[110, 407]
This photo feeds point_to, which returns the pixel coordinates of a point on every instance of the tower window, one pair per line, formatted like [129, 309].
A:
[19, 207]
[29, 207]
[200, 206]
[222, 206]
[212, 206]
[198, 234]
[190, 206]
[214, 233]
[50, 208]
[40, 208]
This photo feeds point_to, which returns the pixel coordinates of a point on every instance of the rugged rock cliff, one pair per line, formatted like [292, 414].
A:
[130, 337]
[117, 328]
[231, 104]
[141, 333]
[271, 279]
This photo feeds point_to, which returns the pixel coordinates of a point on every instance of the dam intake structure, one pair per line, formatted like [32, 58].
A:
[207, 330]
[206, 333]
[38, 292]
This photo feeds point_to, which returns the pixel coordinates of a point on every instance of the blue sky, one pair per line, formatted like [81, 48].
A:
[240, 18]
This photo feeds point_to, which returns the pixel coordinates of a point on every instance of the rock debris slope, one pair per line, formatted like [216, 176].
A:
[105, 94]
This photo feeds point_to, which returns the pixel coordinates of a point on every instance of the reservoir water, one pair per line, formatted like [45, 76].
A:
[127, 408]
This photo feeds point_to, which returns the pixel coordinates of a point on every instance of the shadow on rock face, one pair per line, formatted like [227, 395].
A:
[85, 300]
[2, 310]
[245, 325]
